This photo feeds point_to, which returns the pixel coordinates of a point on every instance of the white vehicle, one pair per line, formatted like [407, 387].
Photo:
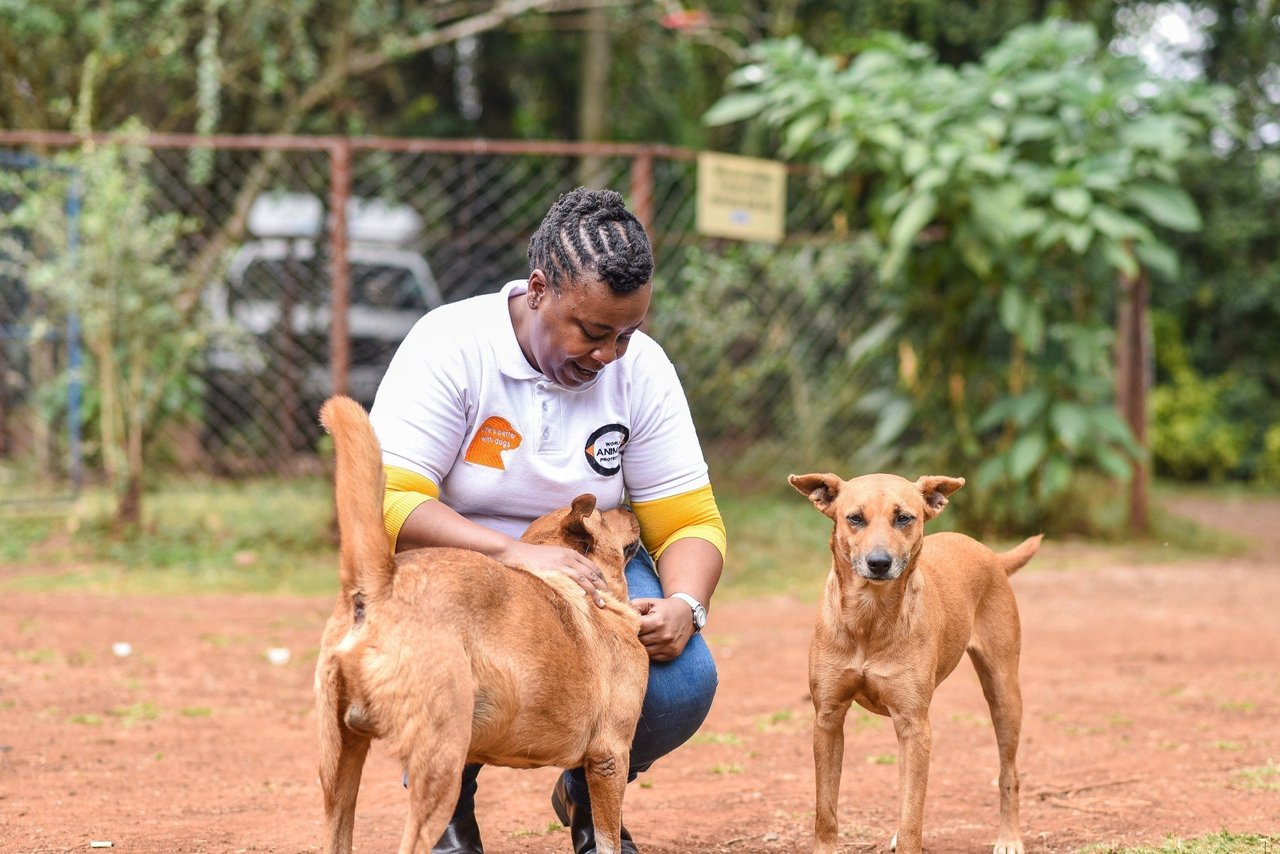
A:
[281, 272]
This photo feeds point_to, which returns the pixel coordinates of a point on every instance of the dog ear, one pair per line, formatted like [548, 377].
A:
[936, 489]
[821, 489]
[575, 526]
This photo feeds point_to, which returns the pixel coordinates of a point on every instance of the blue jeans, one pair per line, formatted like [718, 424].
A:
[675, 705]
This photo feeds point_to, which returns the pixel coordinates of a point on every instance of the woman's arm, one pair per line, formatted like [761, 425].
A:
[434, 523]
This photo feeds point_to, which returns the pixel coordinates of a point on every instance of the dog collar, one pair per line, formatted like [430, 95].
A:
[699, 612]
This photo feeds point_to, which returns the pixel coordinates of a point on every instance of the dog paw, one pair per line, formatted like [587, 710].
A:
[1008, 846]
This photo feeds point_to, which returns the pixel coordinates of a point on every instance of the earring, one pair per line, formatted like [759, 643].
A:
[533, 302]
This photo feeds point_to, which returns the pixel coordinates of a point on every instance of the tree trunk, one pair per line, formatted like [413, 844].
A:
[1131, 389]
[593, 93]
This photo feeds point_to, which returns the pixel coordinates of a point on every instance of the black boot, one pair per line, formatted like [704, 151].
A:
[578, 820]
[462, 836]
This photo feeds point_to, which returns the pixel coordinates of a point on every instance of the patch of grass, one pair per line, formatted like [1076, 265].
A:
[196, 712]
[1237, 706]
[1222, 842]
[726, 768]
[1264, 778]
[882, 759]
[774, 721]
[21, 532]
[552, 827]
[265, 536]
[778, 545]
[37, 656]
[1228, 745]
[130, 715]
[86, 719]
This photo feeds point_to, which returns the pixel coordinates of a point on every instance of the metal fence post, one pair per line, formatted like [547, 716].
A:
[642, 190]
[73, 347]
[339, 265]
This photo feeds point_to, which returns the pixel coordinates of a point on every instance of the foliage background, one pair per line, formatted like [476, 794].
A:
[538, 69]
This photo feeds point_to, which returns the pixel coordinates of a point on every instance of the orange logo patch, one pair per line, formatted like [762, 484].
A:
[494, 436]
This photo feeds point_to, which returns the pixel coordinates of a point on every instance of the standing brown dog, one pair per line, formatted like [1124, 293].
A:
[455, 658]
[898, 611]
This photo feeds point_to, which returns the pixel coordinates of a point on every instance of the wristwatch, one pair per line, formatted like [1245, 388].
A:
[699, 612]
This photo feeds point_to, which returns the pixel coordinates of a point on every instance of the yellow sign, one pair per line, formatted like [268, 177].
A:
[741, 197]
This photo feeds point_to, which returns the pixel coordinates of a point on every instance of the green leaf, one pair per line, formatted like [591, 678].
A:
[734, 107]
[1070, 423]
[1158, 258]
[914, 217]
[992, 471]
[841, 155]
[1012, 308]
[871, 340]
[1110, 425]
[1167, 205]
[1075, 202]
[1112, 462]
[1032, 128]
[894, 418]
[800, 133]
[1026, 454]
[1055, 477]
[1116, 225]
[1120, 258]
[1078, 236]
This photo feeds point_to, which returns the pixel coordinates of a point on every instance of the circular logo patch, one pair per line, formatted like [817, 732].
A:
[604, 448]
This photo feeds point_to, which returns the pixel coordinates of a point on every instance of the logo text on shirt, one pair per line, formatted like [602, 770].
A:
[494, 436]
[604, 448]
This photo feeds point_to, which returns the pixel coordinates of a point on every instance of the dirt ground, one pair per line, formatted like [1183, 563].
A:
[1152, 707]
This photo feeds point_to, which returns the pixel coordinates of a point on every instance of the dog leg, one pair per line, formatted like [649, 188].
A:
[999, 677]
[828, 758]
[341, 783]
[915, 739]
[606, 783]
[342, 756]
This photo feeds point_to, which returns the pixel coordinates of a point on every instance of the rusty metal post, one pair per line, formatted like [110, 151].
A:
[1131, 389]
[642, 190]
[339, 266]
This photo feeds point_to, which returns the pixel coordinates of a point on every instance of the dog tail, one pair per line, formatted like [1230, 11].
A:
[365, 559]
[1017, 557]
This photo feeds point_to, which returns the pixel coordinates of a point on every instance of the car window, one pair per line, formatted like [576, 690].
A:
[380, 286]
[372, 285]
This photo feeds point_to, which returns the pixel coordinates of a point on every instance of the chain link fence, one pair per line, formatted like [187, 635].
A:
[310, 258]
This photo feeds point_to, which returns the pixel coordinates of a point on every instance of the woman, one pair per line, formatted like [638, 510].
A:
[500, 408]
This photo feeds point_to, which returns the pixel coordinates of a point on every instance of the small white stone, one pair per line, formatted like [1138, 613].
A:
[278, 655]
[122, 648]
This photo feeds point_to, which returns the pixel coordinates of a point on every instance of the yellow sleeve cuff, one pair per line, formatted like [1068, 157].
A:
[406, 491]
[690, 514]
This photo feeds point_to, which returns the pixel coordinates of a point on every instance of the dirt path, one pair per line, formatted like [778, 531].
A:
[1152, 701]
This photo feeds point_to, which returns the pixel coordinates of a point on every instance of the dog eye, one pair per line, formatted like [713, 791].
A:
[902, 520]
[857, 520]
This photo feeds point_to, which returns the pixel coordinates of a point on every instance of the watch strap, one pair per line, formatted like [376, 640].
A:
[699, 610]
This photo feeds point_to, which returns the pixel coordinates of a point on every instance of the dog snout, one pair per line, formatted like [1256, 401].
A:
[879, 562]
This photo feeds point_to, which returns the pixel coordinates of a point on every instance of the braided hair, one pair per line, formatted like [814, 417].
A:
[591, 231]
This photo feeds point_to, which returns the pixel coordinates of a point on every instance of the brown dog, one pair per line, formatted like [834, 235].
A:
[898, 611]
[455, 658]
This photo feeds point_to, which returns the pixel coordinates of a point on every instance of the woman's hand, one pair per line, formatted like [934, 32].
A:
[557, 559]
[665, 626]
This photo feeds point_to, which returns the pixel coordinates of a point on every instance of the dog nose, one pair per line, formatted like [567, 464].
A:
[879, 562]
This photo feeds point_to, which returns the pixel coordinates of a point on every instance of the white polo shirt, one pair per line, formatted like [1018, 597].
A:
[461, 406]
